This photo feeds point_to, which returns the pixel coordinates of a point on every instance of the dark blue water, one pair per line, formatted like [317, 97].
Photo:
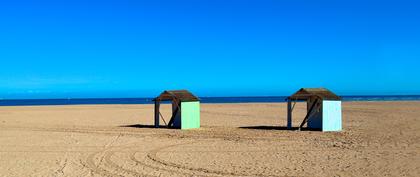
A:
[272, 99]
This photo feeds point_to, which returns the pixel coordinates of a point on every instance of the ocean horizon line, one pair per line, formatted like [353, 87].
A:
[221, 99]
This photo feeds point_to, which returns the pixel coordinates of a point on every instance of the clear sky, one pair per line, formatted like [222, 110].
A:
[72, 48]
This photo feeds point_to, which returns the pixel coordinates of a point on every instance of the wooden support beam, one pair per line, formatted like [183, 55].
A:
[294, 104]
[161, 116]
[174, 113]
[289, 114]
[309, 113]
[157, 113]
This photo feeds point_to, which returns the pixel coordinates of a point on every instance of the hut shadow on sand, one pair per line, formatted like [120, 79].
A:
[264, 127]
[143, 126]
[261, 127]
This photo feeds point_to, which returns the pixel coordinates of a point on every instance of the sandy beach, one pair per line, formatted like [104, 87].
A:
[379, 139]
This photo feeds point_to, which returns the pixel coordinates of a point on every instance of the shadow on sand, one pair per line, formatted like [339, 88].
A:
[144, 126]
[263, 127]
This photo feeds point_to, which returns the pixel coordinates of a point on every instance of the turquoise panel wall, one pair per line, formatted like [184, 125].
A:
[331, 118]
[190, 115]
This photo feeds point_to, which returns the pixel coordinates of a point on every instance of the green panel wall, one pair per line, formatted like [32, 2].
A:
[190, 115]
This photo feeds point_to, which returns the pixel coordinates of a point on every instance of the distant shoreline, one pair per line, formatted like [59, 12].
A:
[218, 100]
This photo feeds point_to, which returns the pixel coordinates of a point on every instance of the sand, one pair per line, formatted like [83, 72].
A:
[379, 139]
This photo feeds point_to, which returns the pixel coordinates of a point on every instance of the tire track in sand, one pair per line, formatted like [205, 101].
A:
[152, 155]
[104, 156]
[159, 166]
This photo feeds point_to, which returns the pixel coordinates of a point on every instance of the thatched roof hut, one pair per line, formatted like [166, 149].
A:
[185, 109]
[323, 109]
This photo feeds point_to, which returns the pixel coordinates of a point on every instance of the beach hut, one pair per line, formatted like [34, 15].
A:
[323, 109]
[185, 109]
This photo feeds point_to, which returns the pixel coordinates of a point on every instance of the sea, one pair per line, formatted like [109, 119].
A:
[262, 99]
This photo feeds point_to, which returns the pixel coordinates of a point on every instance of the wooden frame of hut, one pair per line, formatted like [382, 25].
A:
[323, 109]
[185, 109]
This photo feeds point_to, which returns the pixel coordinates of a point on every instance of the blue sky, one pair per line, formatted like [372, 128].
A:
[61, 49]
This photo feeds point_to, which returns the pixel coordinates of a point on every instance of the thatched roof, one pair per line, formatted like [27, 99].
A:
[322, 93]
[182, 95]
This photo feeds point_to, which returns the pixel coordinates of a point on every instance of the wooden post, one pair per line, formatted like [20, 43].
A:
[289, 114]
[157, 113]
